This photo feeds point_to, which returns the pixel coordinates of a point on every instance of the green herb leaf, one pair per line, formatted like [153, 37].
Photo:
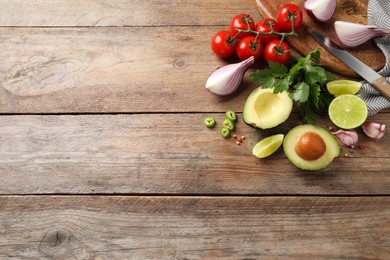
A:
[306, 78]
[281, 85]
[315, 55]
[307, 114]
[277, 69]
[264, 78]
[315, 93]
[301, 92]
[315, 74]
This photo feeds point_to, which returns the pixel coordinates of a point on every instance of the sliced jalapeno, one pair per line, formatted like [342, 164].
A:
[225, 133]
[209, 122]
[228, 124]
[231, 115]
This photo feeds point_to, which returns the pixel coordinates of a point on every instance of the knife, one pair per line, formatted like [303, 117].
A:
[376, 80]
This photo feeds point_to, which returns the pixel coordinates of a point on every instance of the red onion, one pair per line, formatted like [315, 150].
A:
[225, 80]
[351, 35]
[321, 10]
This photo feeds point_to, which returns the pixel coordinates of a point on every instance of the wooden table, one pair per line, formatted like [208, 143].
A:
[104, 154]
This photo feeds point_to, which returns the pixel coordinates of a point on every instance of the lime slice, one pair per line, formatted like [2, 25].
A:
[268, 146]
[347, 111]
[343, 86]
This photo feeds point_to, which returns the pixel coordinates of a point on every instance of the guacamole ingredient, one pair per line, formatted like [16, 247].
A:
[268, 146]
[243, 23]
[374, 130]
[289, 17]
[347, 138]
[277, 51]
[321, 10]
[305, 78]
[225, 80]
[247, 39]
[209, 122]
[350, 35]
[343, 86]
[267, 25]
[249, 46]
[310, 147]
[222, 44]
[231, 115]
[265, 109]
[225, 133]
[228, 124]
[348, 111]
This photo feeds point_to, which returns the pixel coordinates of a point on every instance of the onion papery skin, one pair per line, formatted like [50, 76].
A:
[321, 10]
[226, 80]
[351, 35]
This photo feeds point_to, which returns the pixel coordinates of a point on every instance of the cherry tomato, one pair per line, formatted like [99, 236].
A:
[249, 46]
[264, 25]
[222, 45]
[284, 16]
[276, 52]
[241, 21]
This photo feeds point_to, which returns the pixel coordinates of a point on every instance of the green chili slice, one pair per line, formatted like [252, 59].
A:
[209, 122]
[231, 115]
[225, 133]
[228, 124]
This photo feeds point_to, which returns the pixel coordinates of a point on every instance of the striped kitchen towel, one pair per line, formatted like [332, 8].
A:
[378, 15]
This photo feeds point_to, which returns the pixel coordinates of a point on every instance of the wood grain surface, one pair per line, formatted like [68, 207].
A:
[104, 155]
[110, 69]
[170, 154]
[120, 13]
[96, 227]
[354, 11]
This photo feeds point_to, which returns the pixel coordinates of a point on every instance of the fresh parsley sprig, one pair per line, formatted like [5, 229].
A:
[305, 80]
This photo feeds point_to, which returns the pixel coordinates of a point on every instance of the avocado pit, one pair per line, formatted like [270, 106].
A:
[310, 146]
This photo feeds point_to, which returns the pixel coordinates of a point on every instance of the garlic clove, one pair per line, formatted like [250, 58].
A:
[226, 79]
[374, 130]
[347, 138]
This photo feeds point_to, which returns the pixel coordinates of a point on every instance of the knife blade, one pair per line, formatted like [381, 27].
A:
[374, 78]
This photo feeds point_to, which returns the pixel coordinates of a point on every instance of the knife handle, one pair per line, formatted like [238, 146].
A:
[382, 86]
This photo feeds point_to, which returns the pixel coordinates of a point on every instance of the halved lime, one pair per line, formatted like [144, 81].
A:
[343, 86]
[347, 111]
[268, 146]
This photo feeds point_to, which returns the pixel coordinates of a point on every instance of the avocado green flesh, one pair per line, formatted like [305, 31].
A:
[332, 147]
[264, 109]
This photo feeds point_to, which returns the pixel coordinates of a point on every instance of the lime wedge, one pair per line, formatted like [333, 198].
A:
[343, 86]
[268, 146]
[347, 111]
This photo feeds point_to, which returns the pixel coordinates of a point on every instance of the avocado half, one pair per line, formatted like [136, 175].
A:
[332, 148]
[264, 109]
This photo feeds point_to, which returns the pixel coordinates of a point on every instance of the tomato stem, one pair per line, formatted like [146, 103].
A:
[272, 32]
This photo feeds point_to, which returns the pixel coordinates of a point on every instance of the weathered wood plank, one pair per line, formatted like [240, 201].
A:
[194, 227]
[60, 70]
[66, 70]
[122, 12]
[169, 154]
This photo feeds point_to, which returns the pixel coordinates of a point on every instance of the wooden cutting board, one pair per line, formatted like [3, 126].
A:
[347, 10]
